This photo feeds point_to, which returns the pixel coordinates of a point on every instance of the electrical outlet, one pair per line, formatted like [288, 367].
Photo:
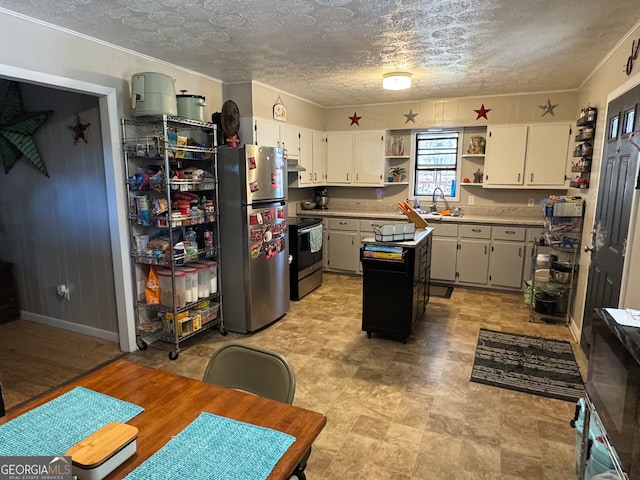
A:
[531, 202]
[471, 200]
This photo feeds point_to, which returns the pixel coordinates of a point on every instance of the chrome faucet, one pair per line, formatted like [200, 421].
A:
[433, 198]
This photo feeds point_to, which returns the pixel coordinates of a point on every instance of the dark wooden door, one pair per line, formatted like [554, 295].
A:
[613, 210]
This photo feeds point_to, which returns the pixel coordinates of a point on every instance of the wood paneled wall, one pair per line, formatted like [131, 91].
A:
[55, 230]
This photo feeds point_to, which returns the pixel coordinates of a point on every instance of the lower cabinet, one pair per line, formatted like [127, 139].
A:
[344, 244]
[507, 257]
[473, 254]
[473, 261]
[445, 252]
[481, 255]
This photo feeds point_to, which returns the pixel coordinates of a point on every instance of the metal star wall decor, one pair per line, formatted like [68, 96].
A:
[355, 119]
[482, 112]
[17, 128]
[548, 108]
[80, 130]
[410, 116]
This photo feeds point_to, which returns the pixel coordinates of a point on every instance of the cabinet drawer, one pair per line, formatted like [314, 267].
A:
[344, 224]
[444, 230]
[475, 231]
[509, 233]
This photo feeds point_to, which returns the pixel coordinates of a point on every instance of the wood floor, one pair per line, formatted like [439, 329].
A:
[35, 358]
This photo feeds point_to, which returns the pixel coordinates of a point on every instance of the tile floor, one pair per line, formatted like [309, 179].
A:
[409, 411]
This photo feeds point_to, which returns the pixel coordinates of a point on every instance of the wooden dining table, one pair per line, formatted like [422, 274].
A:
[171, 402]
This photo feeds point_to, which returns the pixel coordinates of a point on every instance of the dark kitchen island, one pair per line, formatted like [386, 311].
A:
[395, 284]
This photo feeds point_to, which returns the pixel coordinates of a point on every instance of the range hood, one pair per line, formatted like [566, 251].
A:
[292, 166]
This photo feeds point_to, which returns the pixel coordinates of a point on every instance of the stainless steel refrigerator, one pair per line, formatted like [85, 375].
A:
[254, 257]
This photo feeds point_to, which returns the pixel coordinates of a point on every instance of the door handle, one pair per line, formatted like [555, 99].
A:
[588, 248]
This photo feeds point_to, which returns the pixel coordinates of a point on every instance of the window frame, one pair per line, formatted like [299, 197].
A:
[414, 161]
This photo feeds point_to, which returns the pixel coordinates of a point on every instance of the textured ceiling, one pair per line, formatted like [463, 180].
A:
[335, 52]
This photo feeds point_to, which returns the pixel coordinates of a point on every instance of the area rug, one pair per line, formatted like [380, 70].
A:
[535, 365]
[440, 291]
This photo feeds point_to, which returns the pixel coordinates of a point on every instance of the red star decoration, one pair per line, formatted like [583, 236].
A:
[482, 112]
[355, 119]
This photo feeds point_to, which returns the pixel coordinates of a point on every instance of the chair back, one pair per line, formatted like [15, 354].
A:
[256, 370]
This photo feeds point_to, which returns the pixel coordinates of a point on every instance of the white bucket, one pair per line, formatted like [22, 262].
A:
[153, 94]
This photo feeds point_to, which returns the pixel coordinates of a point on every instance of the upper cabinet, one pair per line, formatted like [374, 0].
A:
[355, 158]
[277, 134]
[527, 156]
[313, 160]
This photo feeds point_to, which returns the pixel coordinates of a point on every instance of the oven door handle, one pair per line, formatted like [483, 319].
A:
[306, 230]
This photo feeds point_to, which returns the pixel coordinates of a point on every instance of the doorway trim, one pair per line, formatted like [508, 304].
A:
[112, 158]
[631, 244]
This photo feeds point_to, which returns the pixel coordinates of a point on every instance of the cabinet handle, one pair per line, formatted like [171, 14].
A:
[532, 177]
[520, 252]
[353, 240]
[476, 229]
[315, 177]
[485, 249]
[347, 177]
[357, 177]
[518, 178]
[342, 222]
[510, 232]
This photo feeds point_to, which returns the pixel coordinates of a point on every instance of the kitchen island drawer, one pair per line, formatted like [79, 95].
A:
[509, 233]
[475, 231]
[352, 224]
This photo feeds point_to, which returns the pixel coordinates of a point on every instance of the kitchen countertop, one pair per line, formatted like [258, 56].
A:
[466, 218]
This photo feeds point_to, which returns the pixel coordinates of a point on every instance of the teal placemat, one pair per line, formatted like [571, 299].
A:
[54, 427]
[216, 448]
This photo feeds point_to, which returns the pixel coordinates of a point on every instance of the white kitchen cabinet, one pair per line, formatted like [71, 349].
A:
[305, 178]
[277, 134]
[355, 158]
[319, 169]
[344, 244]
[547, 154]
[339, 158]
[473, 261]
[344, 251]
[507, 256]
[505, 154]
[526, 156]
[444, 248]
[368, 158]
[507, 260]
[473, 254]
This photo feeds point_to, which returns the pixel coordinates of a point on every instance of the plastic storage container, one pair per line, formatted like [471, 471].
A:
[599, 460]
[166, 288]
[213, 274]
[204, 289]
[578, 423]
[191, 283]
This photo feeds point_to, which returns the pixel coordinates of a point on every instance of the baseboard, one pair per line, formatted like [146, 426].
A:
[73, 327]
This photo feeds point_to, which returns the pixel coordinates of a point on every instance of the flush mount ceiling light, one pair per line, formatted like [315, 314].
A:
[396, 81]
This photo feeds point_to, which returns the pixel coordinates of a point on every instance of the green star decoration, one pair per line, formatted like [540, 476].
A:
[548, 108]
[410, 116]
[17, 128]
